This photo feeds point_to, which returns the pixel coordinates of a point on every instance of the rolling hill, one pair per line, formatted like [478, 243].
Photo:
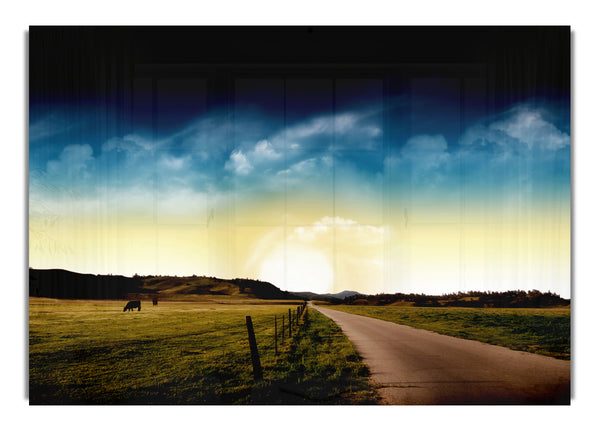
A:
[60, 283]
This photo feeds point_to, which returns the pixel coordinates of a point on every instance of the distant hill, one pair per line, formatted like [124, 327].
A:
[59, 283]
[332, 297]
[344, 293]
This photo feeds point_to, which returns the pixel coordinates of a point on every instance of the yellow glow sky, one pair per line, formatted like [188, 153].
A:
[428, 251]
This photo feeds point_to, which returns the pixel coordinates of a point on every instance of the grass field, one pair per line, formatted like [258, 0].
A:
[91, 352]
[542, 331]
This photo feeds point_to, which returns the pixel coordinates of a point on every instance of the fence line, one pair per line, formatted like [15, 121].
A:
[264, 329]
[254, 354]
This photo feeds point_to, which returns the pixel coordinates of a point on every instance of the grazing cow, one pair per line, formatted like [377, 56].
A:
[154, 301]
[133, 304]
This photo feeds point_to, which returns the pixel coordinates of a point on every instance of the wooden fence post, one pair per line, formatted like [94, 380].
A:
[253, 350]
[275, 335]
[290, 320]
[282, 329]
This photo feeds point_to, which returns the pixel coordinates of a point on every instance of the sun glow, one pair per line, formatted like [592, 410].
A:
[298, 268]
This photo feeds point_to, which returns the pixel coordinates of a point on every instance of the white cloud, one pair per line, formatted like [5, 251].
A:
[351, 123]
[311, 172]
[264, 150]
[345, 229]
[354, 128]
[238, 163]
[308, 259]
[491, 151]
[306, 142]
[207, 138]
[262, 155]
[133, 145]
[308, 129]
[48, 126]
[345, 122]
[521, 133]
[423, 155]
[302, 168]
[174, 163]
[530, 128]
[486, 137]
[73, 160]
[356, 250]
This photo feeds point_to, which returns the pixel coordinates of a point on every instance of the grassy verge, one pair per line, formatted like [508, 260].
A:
[542, 331]
[90, 352]
[319, 367]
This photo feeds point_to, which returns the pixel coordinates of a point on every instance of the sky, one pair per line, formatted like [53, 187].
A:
[417, 178]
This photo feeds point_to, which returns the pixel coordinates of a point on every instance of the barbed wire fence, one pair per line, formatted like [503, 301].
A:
[259, 336]
[273, 338]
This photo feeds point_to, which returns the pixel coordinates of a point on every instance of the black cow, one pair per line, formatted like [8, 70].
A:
[154, 301]
[133, 304]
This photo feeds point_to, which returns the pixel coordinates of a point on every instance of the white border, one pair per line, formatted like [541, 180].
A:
[20, 15]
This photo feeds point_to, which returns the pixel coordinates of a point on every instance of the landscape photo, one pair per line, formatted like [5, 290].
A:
[299, 215]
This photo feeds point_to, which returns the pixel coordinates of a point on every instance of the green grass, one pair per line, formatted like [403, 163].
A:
[541, 331]
[91, 352]
[321, 367]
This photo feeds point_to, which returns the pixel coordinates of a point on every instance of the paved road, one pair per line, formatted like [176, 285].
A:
[414, 366]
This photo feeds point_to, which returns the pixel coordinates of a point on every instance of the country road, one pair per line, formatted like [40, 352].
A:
[414, 366]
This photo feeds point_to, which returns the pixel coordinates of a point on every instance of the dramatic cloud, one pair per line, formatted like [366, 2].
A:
[301, 152]
[345, 230]
[493, 143]
[520, 131]
[133, 145]
[262, 155]
[358, 130]
[73, 161]
[356, 123]
[423, 161]
[238, 163]
[499, 155]
[530, 128]
[265, 151]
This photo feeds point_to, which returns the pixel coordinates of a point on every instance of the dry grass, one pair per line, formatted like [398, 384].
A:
[91, 352]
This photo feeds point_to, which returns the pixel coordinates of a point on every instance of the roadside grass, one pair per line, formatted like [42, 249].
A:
[91, 352]
[545, 331]
[320, 367]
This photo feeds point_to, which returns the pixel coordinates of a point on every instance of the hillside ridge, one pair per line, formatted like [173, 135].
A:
[64, 284]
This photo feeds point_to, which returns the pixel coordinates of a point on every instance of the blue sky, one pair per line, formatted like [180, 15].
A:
[219, 150]
[427, 182]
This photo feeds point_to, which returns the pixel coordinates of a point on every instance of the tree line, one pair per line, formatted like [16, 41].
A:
[476, 299]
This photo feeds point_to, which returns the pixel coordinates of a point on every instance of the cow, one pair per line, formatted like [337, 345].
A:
[154, 301]
[133, 304]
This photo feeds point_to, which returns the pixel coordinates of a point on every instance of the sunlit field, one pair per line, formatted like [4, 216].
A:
[91, 352]
[545, 331]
